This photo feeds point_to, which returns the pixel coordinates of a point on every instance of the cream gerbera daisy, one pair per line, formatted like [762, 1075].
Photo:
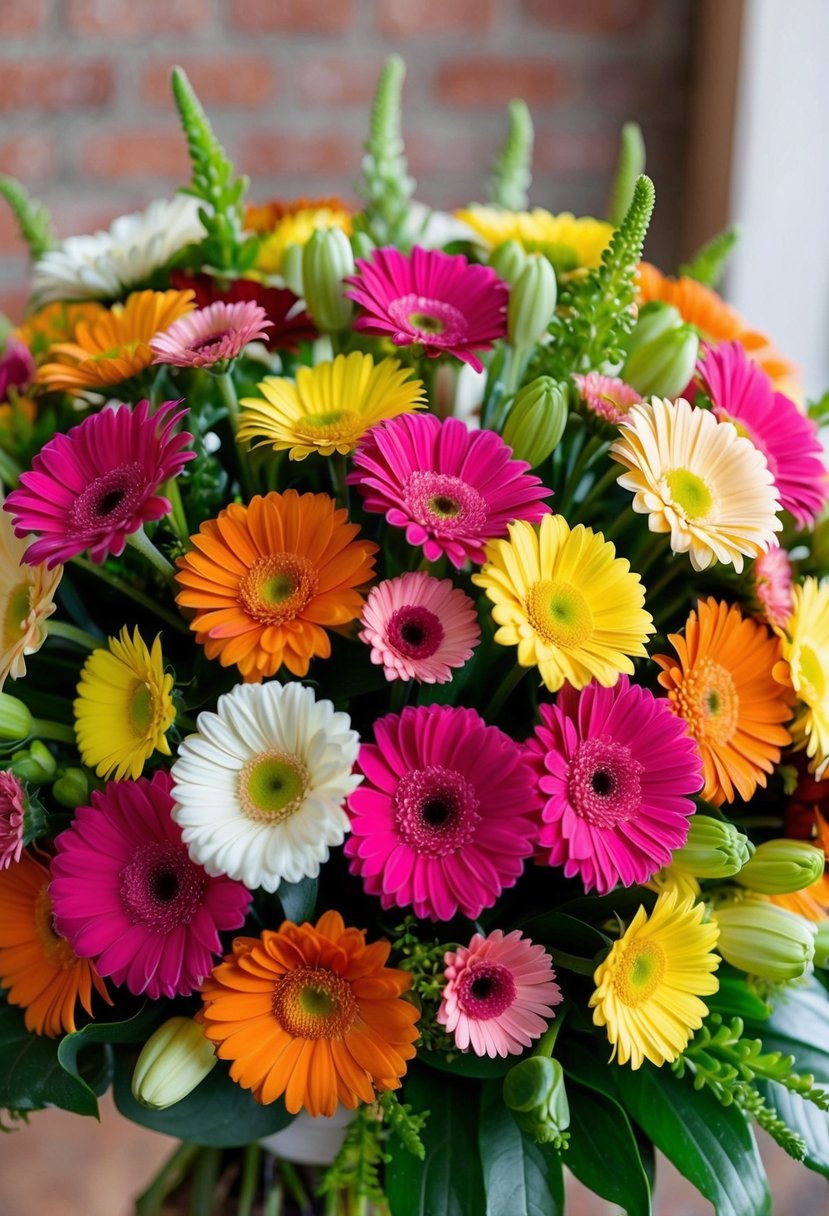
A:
[805, 640]
[570, 605]
[648, 988]
[330, 407]
[260, 788]
[26, 600]
[700, 480]
[124, 706]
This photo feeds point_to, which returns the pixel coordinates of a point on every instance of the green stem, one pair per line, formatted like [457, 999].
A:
[43, 728]
[168, 1177]
[250, 1176]
[508, 685]
[598, 488]
[338, 468]
[141, 542]
[227, 392]
[177, 517]
[9, 470]
[495, 395]
[71, 633]
[118, 584]
[399, 695]
[548, 1040]
[205, 1177]
[273, 1199]
[293, 1185]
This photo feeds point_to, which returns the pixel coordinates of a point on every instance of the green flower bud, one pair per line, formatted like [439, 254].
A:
[762, 939]
[531, 303]
[781, 866]
[326, 260]
[822, 945]
[173, 1061]
[714, 849]
[536, 420]
[362, 245]
[508, 260]
[16, 723]
[35, 764]
[653, 322]
[72, 788]
[534, 1091]
[662, 352]
[291, 269]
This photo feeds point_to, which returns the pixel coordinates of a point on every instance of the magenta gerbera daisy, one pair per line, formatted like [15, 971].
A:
[419, 627]
[126, 894]
[12, 819]
[452, 489]
[617, 769]
[446, 816]
[773, 586]
[93, 486]
[441, 301]
[742, 393]
[211, 335]
[500, 994]
[607, 397]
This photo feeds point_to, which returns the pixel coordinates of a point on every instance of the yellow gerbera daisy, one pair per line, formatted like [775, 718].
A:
[570, 605]
[116, 345]
[648, 988]
[330, 407]
[297, 228]
[124, 706]
[26, 600]
[805, 642]
[698, 479]
[569, 242]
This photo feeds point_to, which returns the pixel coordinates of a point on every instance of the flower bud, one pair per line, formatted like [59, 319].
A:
[761, 939]
[662, 352]
[534, 1091]
[779, 867]
[173, 1061]
[34, 764]
[291, 269]
[714, 849]
[536, 420]
[17, 367]
[508, 261]
[822, 945]
[362, 245]
[531, 302]
[16, 723]
[326, 260]
[72, 788]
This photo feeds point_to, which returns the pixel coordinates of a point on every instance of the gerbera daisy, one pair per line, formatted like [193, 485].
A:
[264, 579]
[329, 407]
[773, 585]
[446, 815]
[570, 605]
[55, 323]
[38, 967]
[114, 346]
[742, 393]
[126, 894]
[290, 322]
[617, 769]
[26, 602]
[281, 225]
[648, 988]
[721, 684]
[313, 1013]
[452, 489]
[124, 706]
[260, 789]
[12, 819]
[437, 300]
[95, 485]
[607, 397]
[419, 628]
[210, 336]
[500, 994]
[805, 642]
[569, 242]
[700, 480]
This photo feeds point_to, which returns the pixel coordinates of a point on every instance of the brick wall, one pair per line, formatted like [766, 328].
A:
[86, 120]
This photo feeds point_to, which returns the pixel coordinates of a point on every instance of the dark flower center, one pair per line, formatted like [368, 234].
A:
[414, 632]
[435, 810]
[486, 990]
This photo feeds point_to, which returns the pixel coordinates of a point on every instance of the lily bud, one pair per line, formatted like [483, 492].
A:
[761, 939]
[714, 849]
[662, 352]
[362, 245]
[536, 421]
[508, 261]
[173, 1061]
[16, 723]
[291, 269]
[531, 302]
[72, 788]
[779, 867]
[34, 764]
[822, 945]
[326, 260]
[534, 1091]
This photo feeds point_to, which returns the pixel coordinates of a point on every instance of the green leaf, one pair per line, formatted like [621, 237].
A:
[797, 1026]
[733, 999]
[33, 218]
[805, 1119]
[573, 943]
[630, 165]
[31, 1075]
[467, 1064]
[449, 1182]
[521, 1178]
[603, 1153]
[100, 1034]
[708, 264]
[298, 899]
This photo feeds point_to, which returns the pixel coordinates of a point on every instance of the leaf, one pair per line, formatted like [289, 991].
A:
[734, 1000]
[521, 1178]
[95, 1034]
[298, 899]
[31, 1076]
[797, 1027]
[804, 1118]
[570, 941]
[467, 1064]
[603, 1153]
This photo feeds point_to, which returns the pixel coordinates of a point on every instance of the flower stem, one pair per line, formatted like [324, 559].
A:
[9, 470]
[250, 1175]
[227, 392]
[177, 515]
[547, 1041]
[146, 601]
[508, 685]
[43, 728]
[171, 1173]
[141, 542]
[71, 633]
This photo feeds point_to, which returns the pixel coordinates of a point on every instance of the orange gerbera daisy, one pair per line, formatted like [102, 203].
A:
[313, 1013]
[38, 968]
[55, 322]
[114, 346]
[265, 578]
[812, 901]
[724, 688]
[717, 321]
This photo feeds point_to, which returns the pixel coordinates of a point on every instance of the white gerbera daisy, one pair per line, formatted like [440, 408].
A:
[700, 480]
[106, 265]
[260, 788]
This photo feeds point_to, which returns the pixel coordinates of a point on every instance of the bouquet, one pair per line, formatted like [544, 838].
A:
[416, 709]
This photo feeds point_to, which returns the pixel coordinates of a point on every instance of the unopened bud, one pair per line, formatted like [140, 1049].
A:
[72, 788]
[326, 260]
[714, 849]
[536, 421]
[508, 261]
[822, 945]
[16, 723]
[173, 1061]
[761, 939]
[34, 764]
[779, 867]
[531, 303]
[662, 352]
[290, 267]
[534, 1091]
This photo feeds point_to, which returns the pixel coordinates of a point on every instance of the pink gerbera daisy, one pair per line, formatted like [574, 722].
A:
[93, 486]
[452, 489]
[606, 396]
[500, 994]
[445, 816]
[773, 586]
[419, 628]
[291, 324]
[618, 769]
[439, 300]
[742, 393]
[12, 819]
[211, 335]
[126, 894]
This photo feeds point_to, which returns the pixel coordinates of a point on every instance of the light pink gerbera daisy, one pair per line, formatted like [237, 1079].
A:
[742, 393]
[419, 628]
[211, 335]
[618, 769]
[438, 300]
[452, 489]
[773, 586]
[606, 396]
[500, 994]
[12, 819]
[446, 815]
[126, 894]
[93, 486]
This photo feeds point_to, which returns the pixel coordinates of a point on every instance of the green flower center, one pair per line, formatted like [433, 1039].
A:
[690, 493]
[812, 676]
[277, 588]
[639, 972]
[343, 426]
[426, 323]
[559, 614]
[17, 610]
[141, 708]
[273, 786]
[444, 507]
[314, 1003]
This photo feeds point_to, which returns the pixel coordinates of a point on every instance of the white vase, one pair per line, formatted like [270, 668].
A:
[308, 1140]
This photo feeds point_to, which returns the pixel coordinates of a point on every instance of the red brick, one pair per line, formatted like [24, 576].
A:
[56, 84]
[592, 16]
[241, 80]
[320, 154]
[630, 90]
[292, 16]
[578, 154]
[405, 18]
[10, 241]
[13, 301]
[29, 157]
[491, 81]
[21, 17]
[438, 153]
[136, 153]
[126, 18]
[337, 82]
